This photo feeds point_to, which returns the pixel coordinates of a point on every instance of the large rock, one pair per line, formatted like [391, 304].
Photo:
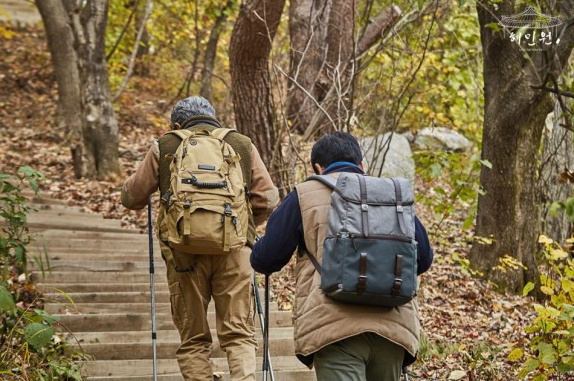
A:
[440, 138]
[388, 155]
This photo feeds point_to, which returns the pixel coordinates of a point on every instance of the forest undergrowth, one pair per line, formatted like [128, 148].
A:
[468, 329]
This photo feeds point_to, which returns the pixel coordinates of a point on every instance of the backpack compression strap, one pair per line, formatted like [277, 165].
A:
[399, 200]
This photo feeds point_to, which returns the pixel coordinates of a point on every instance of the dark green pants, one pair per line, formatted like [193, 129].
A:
[365, 357]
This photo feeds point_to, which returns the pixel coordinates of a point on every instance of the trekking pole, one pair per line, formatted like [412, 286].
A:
[405, 373]
[267, 366]
[152, 287]
[266, 331]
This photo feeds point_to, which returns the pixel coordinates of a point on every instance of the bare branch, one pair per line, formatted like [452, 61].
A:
[314, 125]
[293, 80]
[134, 52]
[376, 29]
[121, 36]
[553, 90]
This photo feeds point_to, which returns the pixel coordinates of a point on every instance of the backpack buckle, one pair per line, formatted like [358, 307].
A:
[397, 286]
[227, 210]
[166, 196]
[362, 284]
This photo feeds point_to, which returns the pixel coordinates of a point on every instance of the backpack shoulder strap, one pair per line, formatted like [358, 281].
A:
[221, 133]
[329, 181]
[182, 134]
[314, 261]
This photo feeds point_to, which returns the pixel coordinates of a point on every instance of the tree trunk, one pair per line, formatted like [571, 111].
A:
[211, 52]
[323, 57]
[509, 211]
[308, 21]
[557, 157]
[249, 51]
[100, 126]
[141, 67]
[76, 40]
[321, 53]
[60, 38]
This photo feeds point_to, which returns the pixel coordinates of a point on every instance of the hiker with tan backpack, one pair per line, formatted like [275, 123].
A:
[214, 190]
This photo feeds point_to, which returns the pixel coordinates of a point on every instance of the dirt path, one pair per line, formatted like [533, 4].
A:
[19, 11]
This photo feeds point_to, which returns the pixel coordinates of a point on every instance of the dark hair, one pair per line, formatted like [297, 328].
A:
[191, 106]
[337, 146]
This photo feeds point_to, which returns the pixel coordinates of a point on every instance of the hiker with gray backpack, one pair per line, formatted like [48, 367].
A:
[360, 248]
[214, 190]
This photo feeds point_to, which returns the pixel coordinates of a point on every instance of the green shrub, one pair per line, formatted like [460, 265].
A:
[29, 346]
[552, 331]
[452, 181]
[14, 208]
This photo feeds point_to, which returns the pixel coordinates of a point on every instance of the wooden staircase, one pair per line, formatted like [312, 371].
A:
[98, 284]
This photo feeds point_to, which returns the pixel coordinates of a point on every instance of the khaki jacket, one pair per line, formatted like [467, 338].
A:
[319, 320]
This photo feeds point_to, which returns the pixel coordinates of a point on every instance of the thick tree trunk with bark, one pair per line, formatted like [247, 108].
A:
[60, 38]
[323, 59]
[509, 212]
[249, 51]
[76, 40]
[211, 52]
[100, 126]
[141, 67]
[557, 157]
[308, 21]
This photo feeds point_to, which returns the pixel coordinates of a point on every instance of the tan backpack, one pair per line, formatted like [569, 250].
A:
[206, 208]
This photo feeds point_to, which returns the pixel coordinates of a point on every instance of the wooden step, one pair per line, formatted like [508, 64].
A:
[99, 266]
[66, 277]
[162, 336]
[72, 288]
[67, 307]
[142, 321]
[94, 244]
[167, 350]
[289, 375]
[286, 368]
[57, 259]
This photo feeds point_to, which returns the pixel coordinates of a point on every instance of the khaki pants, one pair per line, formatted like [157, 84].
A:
[366, 356]
[228, 279]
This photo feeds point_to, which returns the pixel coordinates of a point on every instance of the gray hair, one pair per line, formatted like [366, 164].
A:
[191, 106]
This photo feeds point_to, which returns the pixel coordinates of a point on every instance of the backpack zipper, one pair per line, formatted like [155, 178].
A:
[347, 235]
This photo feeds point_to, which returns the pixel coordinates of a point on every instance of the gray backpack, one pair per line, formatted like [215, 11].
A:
[370, 253]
